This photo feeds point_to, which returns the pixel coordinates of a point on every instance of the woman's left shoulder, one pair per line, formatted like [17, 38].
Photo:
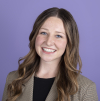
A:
[84, 81]
[87, 89]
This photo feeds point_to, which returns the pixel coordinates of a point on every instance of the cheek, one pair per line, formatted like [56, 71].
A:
[38, 41]
[62, 45]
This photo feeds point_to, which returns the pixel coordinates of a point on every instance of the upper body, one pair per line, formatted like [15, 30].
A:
[87, 89]
[54, 52]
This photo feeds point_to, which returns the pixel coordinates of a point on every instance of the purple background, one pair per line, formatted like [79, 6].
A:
[16, 21]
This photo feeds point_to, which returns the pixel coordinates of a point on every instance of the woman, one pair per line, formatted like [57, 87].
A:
[49, 71]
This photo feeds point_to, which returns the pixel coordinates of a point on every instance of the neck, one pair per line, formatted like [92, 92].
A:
[47, 69]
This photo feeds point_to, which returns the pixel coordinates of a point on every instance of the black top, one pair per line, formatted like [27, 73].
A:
[41, 88]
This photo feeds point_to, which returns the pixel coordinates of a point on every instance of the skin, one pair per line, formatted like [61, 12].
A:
[52, 36]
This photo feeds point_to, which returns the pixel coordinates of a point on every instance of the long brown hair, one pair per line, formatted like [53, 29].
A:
[67, 83]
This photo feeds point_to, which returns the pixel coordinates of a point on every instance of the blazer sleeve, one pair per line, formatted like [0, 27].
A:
[90, 93]
[5, 89]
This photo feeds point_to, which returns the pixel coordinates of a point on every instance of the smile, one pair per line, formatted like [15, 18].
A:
[48, 50]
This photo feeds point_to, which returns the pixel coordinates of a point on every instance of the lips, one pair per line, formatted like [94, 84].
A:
[48, 50]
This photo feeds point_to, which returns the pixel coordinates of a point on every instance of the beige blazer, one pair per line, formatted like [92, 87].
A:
[87, 89]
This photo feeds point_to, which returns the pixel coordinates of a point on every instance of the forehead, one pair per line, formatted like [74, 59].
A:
[54, 23]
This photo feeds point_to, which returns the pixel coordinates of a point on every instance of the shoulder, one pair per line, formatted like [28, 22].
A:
[84, 81]
[87, 89]
[12, 76]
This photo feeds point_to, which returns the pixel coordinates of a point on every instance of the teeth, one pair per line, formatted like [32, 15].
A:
[48, 50]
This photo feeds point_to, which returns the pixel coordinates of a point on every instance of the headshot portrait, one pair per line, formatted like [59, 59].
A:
[51, 53]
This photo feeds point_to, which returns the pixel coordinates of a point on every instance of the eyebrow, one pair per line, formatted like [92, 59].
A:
[56, 31]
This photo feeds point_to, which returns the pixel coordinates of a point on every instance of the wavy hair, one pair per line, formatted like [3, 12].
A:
[67, 83]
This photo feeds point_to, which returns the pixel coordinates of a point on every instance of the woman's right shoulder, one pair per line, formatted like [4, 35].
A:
[12, 76]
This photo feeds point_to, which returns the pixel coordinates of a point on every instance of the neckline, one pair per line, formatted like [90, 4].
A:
[44, 78]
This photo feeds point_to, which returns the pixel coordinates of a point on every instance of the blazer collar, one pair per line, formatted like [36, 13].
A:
[27, 91]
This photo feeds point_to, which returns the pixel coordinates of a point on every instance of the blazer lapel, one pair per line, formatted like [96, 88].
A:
[27, 91]
[52, 95]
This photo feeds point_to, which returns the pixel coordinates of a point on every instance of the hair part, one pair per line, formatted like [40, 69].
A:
[67, 83]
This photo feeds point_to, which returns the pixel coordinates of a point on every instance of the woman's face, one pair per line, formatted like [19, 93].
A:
[51, 40]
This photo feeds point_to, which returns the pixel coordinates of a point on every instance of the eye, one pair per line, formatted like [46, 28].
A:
[58, 36]
[44, 33]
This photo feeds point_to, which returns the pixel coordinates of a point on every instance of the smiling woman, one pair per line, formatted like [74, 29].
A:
[49, 71]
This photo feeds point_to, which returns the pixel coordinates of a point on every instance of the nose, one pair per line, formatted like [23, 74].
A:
[50, 41]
